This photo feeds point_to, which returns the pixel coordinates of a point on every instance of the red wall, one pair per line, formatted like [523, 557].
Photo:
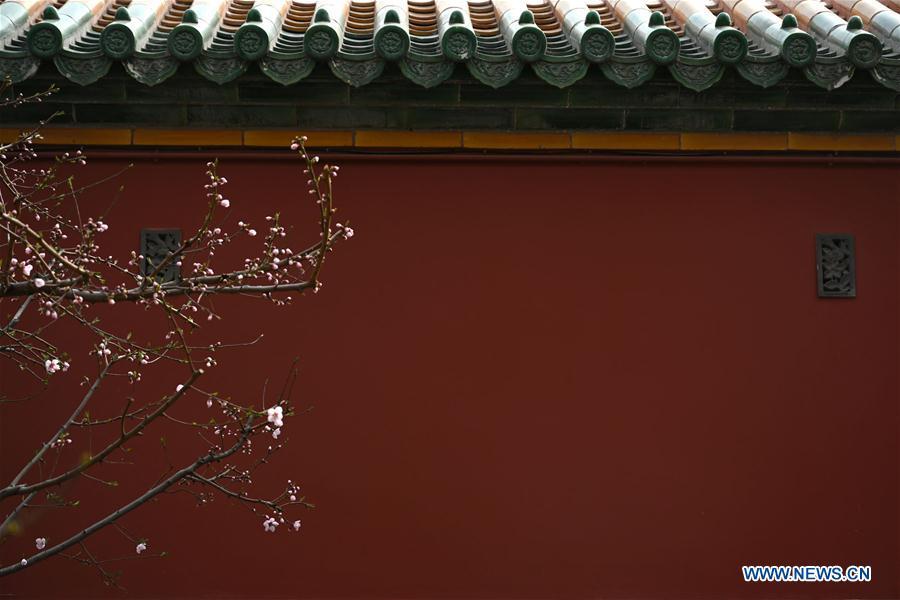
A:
[534, 379]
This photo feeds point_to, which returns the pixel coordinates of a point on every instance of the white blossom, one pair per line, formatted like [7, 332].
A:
[275, 416]
[275, 264]
[61, 441]
[270, 524]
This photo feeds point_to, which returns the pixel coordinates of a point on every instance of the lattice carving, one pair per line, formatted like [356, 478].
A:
[836, 265]
[156, 245]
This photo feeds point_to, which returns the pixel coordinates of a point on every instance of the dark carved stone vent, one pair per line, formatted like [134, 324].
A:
[836, 265]
[156, 245]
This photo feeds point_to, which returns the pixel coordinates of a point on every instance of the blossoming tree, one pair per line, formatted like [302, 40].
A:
[52, 271]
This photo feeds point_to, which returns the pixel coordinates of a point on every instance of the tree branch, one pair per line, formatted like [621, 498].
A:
[124, 510]
[18, 490]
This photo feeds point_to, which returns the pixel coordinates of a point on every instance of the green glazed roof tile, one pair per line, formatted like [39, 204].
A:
[696, 40]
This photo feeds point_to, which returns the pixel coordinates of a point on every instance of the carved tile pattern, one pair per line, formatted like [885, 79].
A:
[836, 265]
[156, 244]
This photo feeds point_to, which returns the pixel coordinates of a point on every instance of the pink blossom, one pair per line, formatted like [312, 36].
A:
[140, 547]
[40, 543]
[297, 525]
[38, 282]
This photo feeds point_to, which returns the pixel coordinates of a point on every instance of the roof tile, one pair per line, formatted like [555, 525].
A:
[496, 39]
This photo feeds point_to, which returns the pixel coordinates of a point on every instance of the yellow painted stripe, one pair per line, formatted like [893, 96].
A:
[473, 140]
[408, 139]
[815, 141]
[74, 136]
[281, 138]
[734, 141]
[625, 141]
[516, 141]
[187, 137]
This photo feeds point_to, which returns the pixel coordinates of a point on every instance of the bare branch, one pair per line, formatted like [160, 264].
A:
[50, 255]
[124, 510]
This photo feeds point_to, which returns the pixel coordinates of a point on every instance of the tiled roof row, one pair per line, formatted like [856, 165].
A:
[559, 39]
